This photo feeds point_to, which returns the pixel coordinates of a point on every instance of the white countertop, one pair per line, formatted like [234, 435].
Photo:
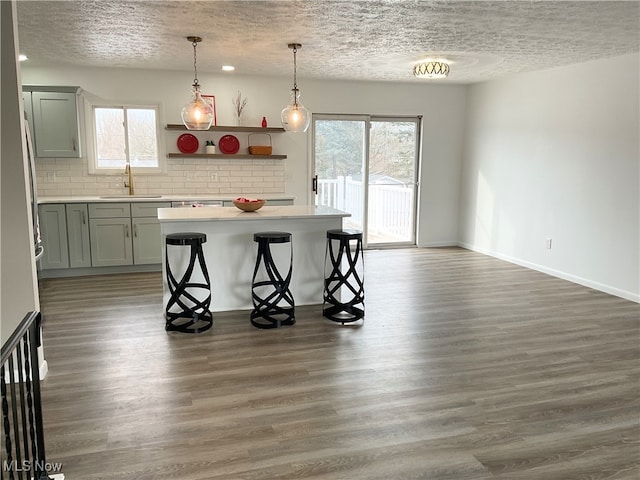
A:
[206, 214]
[160, 198]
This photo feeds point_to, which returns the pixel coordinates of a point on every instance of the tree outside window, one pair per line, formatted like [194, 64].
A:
[126, 134]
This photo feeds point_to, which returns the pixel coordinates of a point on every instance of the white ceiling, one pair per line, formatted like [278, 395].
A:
[356, 40]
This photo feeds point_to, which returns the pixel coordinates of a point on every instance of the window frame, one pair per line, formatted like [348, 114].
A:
[92, 157]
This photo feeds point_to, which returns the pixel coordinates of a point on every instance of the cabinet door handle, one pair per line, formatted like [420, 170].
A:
[84, 218]
[135, 231]
[126, 229]
[73, 141]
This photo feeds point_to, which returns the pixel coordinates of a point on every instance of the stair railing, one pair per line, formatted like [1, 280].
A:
[23, 433]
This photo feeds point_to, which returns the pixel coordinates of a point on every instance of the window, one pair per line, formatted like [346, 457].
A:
[125, 134]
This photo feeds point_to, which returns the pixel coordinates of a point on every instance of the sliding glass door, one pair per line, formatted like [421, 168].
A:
[367, 166]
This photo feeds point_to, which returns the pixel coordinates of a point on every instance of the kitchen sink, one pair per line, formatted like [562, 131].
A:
[130, 196]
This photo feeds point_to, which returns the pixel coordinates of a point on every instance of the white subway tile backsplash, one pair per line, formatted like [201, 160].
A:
[184, 176]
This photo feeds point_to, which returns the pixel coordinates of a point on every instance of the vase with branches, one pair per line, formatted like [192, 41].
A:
[238, 107]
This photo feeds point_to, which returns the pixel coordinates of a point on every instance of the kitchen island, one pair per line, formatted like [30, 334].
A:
[230, 251]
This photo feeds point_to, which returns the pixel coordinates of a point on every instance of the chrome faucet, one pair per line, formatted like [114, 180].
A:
[129, 182]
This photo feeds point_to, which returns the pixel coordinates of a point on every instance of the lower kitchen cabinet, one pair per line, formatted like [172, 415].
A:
[125, 234]
[147, 244]
[53, 231]
[111, 242]
[110, 231]
[147, 237]
[78, 235]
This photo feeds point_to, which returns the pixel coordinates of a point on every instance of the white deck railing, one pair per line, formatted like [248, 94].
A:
[390, 206]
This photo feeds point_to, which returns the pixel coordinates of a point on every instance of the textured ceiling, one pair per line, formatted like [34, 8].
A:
[371, 40]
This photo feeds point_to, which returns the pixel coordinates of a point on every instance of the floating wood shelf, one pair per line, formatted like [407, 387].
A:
[222, 155]
[218, 128]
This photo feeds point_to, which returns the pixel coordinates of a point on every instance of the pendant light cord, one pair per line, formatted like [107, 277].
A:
[295, 84]
[195, 67]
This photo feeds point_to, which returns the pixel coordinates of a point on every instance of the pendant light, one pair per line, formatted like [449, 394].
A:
[295, 118]
[197, 114]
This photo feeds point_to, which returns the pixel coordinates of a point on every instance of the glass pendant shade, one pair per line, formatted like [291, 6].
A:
[197, 114]
[295, 117]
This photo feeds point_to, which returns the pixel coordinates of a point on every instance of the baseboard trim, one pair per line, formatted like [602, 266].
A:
[439, 244]
[77, 272]
[556, 273]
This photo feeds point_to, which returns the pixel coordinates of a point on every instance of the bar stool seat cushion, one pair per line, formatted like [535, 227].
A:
[272, 237]
[186, 238]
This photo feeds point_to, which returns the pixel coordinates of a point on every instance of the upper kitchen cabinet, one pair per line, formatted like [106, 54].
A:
[52, 113]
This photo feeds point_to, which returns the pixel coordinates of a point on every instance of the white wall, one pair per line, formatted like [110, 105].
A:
[18, 282]
[443, 108]
[555, 154]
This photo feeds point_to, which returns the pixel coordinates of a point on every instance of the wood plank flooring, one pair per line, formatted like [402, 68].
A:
[466, 367]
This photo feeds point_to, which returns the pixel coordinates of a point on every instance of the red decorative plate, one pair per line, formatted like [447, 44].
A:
[229, 144]
[188, 143]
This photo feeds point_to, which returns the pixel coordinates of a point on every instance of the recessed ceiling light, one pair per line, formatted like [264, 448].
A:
[22, 57]
[228, 68]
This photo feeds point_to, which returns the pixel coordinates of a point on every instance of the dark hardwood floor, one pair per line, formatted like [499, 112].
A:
[466, 367]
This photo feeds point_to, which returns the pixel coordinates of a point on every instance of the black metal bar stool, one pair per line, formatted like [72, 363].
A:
[186, 310]
[273, 304]
[346, 304]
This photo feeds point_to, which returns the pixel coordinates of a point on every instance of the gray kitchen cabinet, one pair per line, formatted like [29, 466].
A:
[109, 210]
[53, 231]
[110, 232]
[111, 242]
[78, 235]
[147, 241]
[125, 234]
[52, 113]
[147, 244]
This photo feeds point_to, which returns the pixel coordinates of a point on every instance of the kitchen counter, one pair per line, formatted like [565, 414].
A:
[160, 198]
[233, 214]
[230, 251]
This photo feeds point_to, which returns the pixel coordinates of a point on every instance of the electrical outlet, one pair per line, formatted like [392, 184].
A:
[548, 243]
[51, 177]
[213, 176]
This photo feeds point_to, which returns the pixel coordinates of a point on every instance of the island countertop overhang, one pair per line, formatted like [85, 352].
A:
[214, 214]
